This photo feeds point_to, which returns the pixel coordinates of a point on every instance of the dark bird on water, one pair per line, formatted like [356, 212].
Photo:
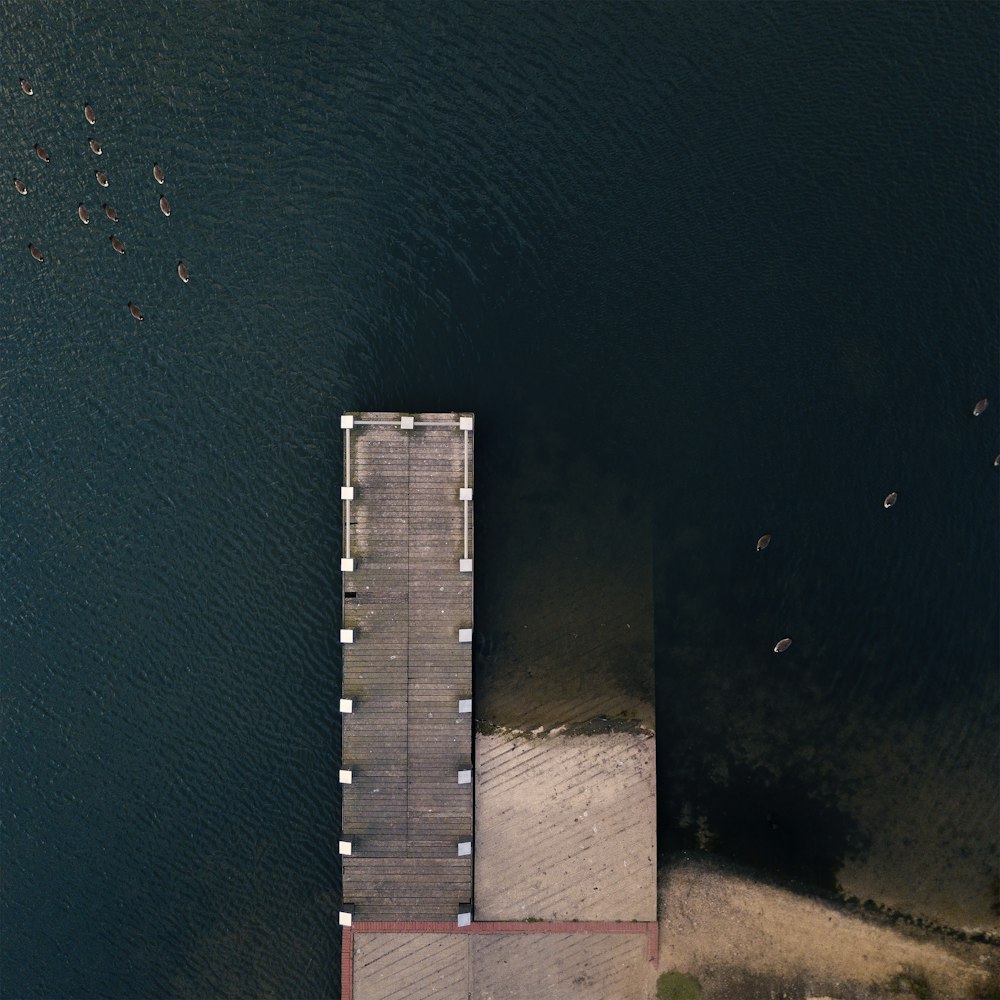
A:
[158, 173]
[35, 252]
[980, 407]
[890, 499]
[781, 646]
[88, 113]
[117, 244]
[26, 88]
[763, 542]
[111, 213]
[42, 154]
[81, 210]
[95, 146]
[20, 187]
[135, 311]
[182, 272]
[102, 178]
[164, 205]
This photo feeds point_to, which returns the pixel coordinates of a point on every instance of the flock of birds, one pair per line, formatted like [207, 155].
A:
[83, 213]
[762, 543]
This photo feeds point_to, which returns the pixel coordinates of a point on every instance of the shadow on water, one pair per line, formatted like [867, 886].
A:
[773, 825]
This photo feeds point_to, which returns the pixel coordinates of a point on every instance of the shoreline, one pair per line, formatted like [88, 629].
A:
[742, 935]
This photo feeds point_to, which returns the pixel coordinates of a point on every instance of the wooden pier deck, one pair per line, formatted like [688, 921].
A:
[407, 821]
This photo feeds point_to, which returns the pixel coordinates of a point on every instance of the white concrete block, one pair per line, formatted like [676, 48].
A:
[465, 565]
[465, 635]
[346, 777]
[346, 706]
[346, 421]
[345, 848]
[346, 918]
[465, 493]
[465, 423]
[465, 777]
[346, 565]
[464, 848]
[406, 423]
[346, 492]
[464, 918]
[465, 706]
[347, 635]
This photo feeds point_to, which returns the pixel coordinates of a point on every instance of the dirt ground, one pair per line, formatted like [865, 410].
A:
[748, 940]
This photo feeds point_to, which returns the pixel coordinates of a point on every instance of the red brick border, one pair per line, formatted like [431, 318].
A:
[347, 964]
[650, 928]
[653, 942]
[502, 927]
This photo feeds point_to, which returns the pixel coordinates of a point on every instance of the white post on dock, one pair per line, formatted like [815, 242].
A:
[347, 493]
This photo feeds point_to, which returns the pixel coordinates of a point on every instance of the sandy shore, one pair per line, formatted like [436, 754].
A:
[746, 939]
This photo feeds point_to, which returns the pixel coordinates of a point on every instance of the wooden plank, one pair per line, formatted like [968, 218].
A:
[406, 670]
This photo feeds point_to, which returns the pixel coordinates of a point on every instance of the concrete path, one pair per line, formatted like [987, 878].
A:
[502, 966]
[566, 827]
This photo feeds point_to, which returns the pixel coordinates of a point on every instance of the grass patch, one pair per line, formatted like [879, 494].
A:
[677, 986]
[912, 981]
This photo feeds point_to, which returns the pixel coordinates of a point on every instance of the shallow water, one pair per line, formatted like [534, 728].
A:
[743, 258]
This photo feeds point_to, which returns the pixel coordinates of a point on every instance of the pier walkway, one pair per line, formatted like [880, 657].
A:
[406, 840]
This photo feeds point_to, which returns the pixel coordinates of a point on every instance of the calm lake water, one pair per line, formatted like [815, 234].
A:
[744, 257]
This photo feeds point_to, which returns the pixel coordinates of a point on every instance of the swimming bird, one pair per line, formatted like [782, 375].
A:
[182, 272]
[102, 178]
[980, 407]
[95, 146]
[111, 213]
[996, 461]
[135, 311]
[890, 500]
[782, 645]
[36, 253]
[20, 187]
[88, 113]
[117, 244]
[763, 542]
[158, 173]
[81, 210]
[26, 88]
[42, 154]
[164, 205]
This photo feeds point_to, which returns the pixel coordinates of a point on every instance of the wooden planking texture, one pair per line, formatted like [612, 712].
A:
[406, 671]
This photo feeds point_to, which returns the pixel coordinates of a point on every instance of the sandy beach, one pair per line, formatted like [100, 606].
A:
[743, 938]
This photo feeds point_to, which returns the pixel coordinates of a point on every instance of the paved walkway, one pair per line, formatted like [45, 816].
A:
[566, 827]
[500, 961]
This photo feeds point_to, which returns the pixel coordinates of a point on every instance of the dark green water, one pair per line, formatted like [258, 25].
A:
[743, 256]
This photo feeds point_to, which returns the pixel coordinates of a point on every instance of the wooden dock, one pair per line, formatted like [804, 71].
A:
[407, 825]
